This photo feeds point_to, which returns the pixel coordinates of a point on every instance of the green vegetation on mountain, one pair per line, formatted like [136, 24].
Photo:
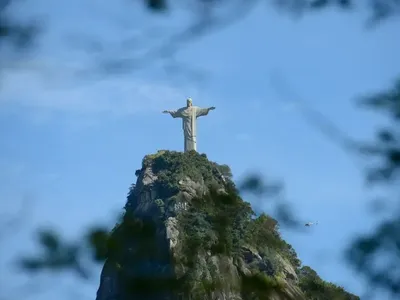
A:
[215, 224]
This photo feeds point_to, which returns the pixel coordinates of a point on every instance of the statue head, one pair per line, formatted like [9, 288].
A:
[189, 102]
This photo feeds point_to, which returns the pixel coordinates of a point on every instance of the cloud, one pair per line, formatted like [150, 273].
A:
[117, 95]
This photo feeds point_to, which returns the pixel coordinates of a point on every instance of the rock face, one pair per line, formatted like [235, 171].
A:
[186, 234]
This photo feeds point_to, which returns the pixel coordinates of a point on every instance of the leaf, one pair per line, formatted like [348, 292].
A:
[157, 5]
[252, 183]
[318, 4]
[380, 174]
[286, 216]
[386, 136]
[31, 264]
[346, 4]
[256, 185]
[98, 239]
[394, 157]
[49, 240]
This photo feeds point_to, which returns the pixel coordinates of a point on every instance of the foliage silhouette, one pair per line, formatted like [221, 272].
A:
[366, 252]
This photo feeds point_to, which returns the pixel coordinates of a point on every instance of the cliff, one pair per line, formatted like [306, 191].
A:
[187, 234]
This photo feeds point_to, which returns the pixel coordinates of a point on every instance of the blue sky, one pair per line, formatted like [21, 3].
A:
[70, 147]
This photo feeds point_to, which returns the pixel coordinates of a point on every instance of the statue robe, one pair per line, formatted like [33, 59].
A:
[189, 117]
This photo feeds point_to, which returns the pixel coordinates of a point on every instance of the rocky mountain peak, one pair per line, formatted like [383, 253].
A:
[187, 234]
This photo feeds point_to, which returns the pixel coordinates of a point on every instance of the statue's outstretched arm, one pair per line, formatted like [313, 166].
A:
[203, 111]
[173, 113]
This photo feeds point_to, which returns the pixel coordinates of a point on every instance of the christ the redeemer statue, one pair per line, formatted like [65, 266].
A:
[189, 115]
